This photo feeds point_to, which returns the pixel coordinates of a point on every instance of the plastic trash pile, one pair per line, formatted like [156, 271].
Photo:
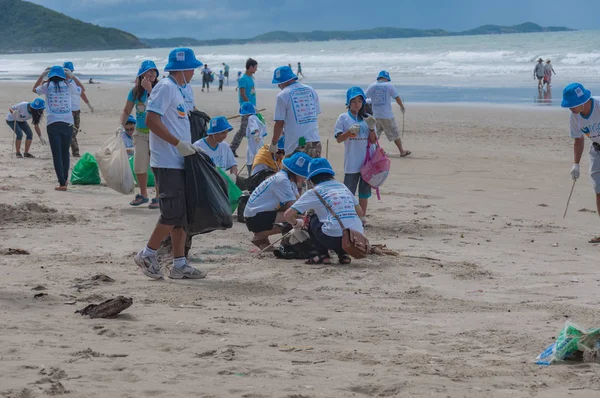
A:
[573, 343]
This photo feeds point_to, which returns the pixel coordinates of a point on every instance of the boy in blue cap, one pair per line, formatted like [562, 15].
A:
[584, 121]
[170, 138]
[381, 92]
[221, 79]
[127, 134]
[256, 131]
[215, 146]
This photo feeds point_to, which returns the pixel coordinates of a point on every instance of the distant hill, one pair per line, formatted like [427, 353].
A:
[26, 27]
[377, 33]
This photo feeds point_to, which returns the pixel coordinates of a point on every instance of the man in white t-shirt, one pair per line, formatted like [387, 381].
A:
[297, 109]
[584, 122]
[215, 146]
[381, 93]
[167, 119]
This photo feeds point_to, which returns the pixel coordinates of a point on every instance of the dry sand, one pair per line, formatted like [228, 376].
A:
[487, 274]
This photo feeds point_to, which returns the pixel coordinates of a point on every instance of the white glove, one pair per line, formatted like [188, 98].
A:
[198, 149]
[371, 122]
[91, 107]
[299, 224]
[575, 171]
[185, 148]
[119, 130]
[354, 129]
[256, 137]
[273, 148]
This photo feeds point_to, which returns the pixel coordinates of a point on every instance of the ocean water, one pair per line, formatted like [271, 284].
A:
[491, 68]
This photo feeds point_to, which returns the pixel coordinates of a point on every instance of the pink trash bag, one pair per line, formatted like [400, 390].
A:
[376, 168]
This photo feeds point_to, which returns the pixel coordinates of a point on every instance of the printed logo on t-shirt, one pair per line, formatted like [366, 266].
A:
[181, 111]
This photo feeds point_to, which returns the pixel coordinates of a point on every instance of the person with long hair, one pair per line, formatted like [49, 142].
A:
[59, 121]
[145, 81]
[17, 118]
[77, 94]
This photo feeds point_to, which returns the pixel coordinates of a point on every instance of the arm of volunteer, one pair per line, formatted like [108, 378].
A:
[359, 210]
[277, 131]
[154, 123]
[243, 94]
[85, 98]
[38, 82]
[126, 112]
[37, 129]
[290, 215]
[76, 80]
[578, 145]
[399, 102]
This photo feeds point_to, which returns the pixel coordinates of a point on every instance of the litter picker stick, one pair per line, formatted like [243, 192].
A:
[568, 200]
[277, 241]
[402, 125]
[240, 172]
[236, 116]
[12, 150]
[327, 149]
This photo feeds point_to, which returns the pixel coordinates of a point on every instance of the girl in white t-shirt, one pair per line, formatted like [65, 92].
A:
[59, 120]
[354, 130]
[17, 118]
[215, 147]
[256, 131]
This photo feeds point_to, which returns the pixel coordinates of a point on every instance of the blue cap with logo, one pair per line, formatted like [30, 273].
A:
[69, 65]
[319, 166]
[384, 75]
[181, 59]
[298, 164]
[57, 71]
[146, 66]
[131, 119]
[281, 142]
[574, 95]
[354, 92]
[38, 104]
[218, 125]
[283, 74]
[247, 108]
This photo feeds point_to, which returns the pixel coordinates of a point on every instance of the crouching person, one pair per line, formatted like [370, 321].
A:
[328, 196]
[274, 196]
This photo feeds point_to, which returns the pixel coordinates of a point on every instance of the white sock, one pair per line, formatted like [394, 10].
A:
[179, 262]
[148, 252]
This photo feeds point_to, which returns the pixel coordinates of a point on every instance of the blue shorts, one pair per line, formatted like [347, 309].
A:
[355, 180]
[19, 128]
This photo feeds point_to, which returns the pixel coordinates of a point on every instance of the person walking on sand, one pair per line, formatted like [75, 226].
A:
[17, 118]
[206, 78]
[77, 94]
[59, 120]
[548, 71]
[297, 109]
[170, 138]
[381, 93]
[246, 93]
[299, 72]
[221, 79]
[584, 121]
[226, 72]
[145, 81]
[539, 72]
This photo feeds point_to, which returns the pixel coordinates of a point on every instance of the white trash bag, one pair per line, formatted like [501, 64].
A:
[114, 165]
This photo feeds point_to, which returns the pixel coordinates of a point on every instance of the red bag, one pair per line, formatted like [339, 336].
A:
[376, 169]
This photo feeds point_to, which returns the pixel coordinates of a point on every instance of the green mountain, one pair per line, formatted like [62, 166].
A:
[377, 33]
[26, 27]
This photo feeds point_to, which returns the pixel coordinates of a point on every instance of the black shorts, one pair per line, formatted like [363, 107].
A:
[171, 198]
[261, 222]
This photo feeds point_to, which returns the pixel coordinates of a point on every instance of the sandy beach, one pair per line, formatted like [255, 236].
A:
[487, 273]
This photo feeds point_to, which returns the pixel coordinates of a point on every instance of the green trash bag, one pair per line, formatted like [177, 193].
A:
[261, 118]
[86, 171]
[150, 174]
[232, 190]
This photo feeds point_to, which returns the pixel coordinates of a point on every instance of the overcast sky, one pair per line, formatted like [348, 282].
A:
[248, 18]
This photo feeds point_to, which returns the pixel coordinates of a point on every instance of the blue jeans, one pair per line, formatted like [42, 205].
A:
[59, 137]
[19, 128]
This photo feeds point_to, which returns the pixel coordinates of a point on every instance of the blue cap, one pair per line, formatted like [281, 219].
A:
[239, 72]
[354, 92]
[383, 74]
[319, 166]
[283, 74]
[38, 104]
[131, 119]
[181, 59]
[574, 95]
[281, 142]
[57, 71]
[247, 108]
[220, 71]
[298, 164]
[69, 66]
[146, 66]
[218, 125]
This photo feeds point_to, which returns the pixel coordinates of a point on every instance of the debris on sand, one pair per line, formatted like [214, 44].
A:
[14, 252]
[107, 309]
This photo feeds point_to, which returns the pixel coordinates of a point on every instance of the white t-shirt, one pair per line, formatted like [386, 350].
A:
[271, 194]
[355, 148]
[58, 102]
[75, 95]
[382, 94]
[221, 155]
[255, 132]
[298, 106]
[188, 96]
[21, 112]
[341, 201]
[167, 101]
[589, 126]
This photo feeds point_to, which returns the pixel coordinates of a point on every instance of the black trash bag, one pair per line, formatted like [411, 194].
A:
[206, 199]
[241, 207]
[198, 125]
[241, 182]
[255, 180]
[299, 251]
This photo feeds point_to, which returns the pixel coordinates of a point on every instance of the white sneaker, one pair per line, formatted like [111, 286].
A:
[149, 265]
[187, 272]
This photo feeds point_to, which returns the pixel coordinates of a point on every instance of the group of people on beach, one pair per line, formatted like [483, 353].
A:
[543, 73]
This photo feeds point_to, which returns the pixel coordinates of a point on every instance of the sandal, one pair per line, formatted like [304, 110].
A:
[319, 259]
[139, 200]
[405, 154]
[344, 258]
[154, 204]
[595, 239]
[61, 188]
[28, 155]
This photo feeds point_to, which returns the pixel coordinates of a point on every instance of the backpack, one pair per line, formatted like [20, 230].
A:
[375, 170]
